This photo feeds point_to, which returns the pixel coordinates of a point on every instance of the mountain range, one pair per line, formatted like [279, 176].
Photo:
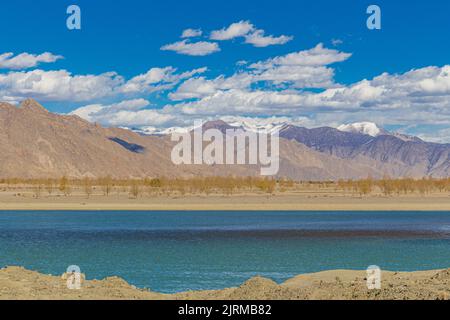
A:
[35, 143]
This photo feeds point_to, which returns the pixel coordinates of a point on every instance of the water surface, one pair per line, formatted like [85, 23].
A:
[179, 251]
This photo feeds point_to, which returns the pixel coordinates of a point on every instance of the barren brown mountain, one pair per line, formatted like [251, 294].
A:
[35, 143]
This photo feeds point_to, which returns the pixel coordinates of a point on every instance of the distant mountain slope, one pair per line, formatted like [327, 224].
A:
[396, 155]
[35, 143]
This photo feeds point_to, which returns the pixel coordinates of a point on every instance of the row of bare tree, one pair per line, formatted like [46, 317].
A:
[222, 185]
[152, 187]
[388, 186]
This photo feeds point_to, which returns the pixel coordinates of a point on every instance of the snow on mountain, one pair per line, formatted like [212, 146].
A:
[155, 131]
[269, 125]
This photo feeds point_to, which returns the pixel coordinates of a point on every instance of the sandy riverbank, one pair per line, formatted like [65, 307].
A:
[20, 284]
[314, 201]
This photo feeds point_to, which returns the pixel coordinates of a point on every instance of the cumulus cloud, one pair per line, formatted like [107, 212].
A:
[234, 30]
[298, 77]
[202, 87]
[298, 70]
[295, 71]
[302, 69]
[245, 29]
[58, 85]
[276, 87]
[317, 56]
[157, 79]
[136, 119]
[426, 87]
[253, 36]
[25, 60]
[62, 85]
[201, 48]
[258, 39]
[191, 33]
[418, 96]
[125, 113]
[237, 102]
[88, 112]
[194, 88]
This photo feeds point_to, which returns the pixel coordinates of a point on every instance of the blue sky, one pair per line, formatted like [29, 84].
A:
[126, 37]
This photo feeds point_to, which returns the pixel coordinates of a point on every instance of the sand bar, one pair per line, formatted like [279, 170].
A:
[255, 202]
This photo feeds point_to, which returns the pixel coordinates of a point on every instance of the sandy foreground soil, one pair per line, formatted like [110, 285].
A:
[313, 201]
[20, 284]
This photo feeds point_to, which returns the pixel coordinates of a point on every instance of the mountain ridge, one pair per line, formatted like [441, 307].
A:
[35, 143]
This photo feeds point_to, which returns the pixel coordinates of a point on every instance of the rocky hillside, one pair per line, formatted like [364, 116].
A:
[35, 143]
[396, 155]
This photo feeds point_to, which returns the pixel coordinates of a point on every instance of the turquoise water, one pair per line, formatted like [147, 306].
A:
[179, 251]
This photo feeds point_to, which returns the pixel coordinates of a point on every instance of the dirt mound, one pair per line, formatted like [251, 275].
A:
[259, 288]
[19, 283]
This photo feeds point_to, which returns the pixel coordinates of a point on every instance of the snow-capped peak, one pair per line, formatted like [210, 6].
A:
[269, 125]
[368, 128]
[155, 131]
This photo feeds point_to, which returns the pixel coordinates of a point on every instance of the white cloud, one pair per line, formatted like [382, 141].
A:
[127, 105]
[253, 36]
[202, 87]
[194, 88]
[438, 136]
[191, 33]
[202, 48]
[239, 102]
[125, 113]
[61, 85]
[365, 127]
[279, 71]
[258, 39]
[88, 112]
[58, 85]
[137, 118]
[298, 77]
[235, 30]
[427, 87]
[317, 56]
[419, 96]
[274, 87]
[157, 79]
[336, 42]
[302, 69]
[26, 60]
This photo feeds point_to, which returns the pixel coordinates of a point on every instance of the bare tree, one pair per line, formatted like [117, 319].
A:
[87, 187]
[49, 186]
[135, 189]
[37, 188]
[106, 184]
